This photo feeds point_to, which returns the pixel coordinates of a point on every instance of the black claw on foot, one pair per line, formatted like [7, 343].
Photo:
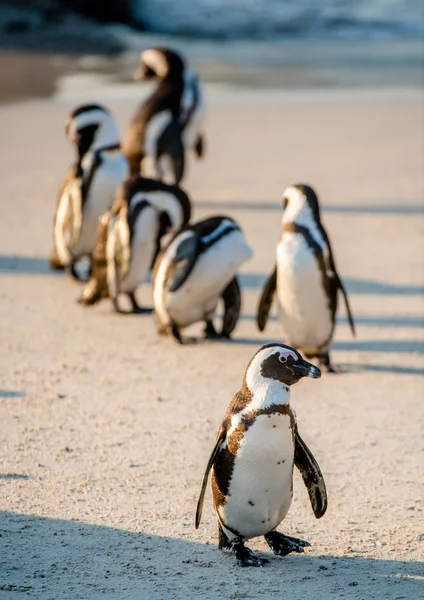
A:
[245, 557]
[283, 544]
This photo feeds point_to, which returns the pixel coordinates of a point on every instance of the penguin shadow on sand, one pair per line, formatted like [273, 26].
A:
[11, 393]
[72, 559]
[14, 264]
[24, 265]
[403, 208]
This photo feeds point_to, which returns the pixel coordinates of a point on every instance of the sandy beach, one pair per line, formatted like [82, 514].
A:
[106, 428]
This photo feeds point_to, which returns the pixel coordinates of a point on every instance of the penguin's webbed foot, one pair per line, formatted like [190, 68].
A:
[245, 557]
[136, 308]
[210, 331]
[89, 296]
[326, 365]
[176, 334]
[282, 544]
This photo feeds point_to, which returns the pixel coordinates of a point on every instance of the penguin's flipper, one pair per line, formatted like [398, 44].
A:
[232, 306]
[338, 281]
[170, 153]
[311, 475]
[349, 312]
[221, 437]
[184, 262]
[266, 300]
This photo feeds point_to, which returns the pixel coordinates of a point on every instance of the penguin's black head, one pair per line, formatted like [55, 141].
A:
[281, 363]
[298, 197]
[160, 62]
[89, 124]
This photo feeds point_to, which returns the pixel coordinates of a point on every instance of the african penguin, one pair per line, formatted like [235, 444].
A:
[305, 279]
[195, 270]
[89, 185]
[252, 462]
[169, 121]
[129, 236]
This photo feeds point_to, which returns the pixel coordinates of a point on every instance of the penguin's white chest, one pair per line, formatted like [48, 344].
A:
[108, 176]
[260, 490]
[303, 306]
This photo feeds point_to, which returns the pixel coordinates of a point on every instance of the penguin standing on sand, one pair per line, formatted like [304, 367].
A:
[169, 121]
[252, 462]
[129, 237]
[195, 270]
[305, 279]
[89, 186]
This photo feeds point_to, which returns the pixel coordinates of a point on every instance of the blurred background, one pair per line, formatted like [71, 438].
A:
[52, 47]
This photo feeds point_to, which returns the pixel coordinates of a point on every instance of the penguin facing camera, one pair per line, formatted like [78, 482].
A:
[304, 279]
[195, 270]
[89, 185]
[257, 446]
[129, 237]
[169, 122]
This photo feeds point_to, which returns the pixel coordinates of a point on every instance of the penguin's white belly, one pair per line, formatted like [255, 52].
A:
[110, 174]
[303, 306]
[212, 272]
[260, 491]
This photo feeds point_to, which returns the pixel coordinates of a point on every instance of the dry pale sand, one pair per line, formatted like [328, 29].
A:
[106, 429]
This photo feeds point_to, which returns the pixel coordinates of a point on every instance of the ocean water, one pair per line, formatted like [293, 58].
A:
[327, 19]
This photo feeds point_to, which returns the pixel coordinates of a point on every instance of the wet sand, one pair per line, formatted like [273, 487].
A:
[106, 428]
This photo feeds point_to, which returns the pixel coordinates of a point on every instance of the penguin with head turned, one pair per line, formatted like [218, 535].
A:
[257, 447]
[89, 186]
[169, 122]
[129, 237]
[197, 269]
[305, 279]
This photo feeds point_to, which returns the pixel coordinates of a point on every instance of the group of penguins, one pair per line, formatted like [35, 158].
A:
[121, 207]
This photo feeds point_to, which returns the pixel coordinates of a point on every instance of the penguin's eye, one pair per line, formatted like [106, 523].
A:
[282, 358]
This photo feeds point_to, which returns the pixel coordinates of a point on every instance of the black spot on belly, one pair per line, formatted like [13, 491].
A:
[263, 521]
[279, 462]
[251, 503]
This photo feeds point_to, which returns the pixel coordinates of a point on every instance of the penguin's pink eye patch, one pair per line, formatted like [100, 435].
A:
[283, 356]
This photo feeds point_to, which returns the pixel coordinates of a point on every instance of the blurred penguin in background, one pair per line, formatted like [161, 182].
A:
[305, 279]
[89, 185]
[129, 237]
[197, 269]
[169, 122]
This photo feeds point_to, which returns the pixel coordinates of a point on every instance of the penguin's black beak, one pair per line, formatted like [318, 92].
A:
[306, 369]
